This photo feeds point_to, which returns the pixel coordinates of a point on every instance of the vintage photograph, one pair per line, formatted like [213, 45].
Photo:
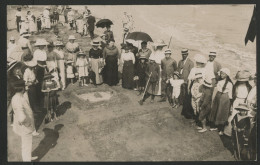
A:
[131, 83]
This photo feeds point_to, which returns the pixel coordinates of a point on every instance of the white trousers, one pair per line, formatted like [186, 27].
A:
[27, 147]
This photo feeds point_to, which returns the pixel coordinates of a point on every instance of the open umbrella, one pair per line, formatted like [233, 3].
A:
[104, 23]
[139, 36]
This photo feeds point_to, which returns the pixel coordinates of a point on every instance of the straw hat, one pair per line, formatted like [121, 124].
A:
[159, 42]
[225, 70]
[13, 64]
[143, 57]
[26, 34]
[72, 37]
[168, 51]
[81, 53]
[207, 83]
[212, 53]
[242, 107]
[40, 42]
[200, 59]
[48, 76]
[243, 75]
[126, 29]
[95, 42]
[12, 38]
[184, 51]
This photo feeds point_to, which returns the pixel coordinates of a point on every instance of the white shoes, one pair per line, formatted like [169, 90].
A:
[202, 130]
[213, 129]
[220, 133]
[199, 128]
[34, 158]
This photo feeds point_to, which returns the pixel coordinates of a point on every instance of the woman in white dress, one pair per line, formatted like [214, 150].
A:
[61, 63]
[31, 19]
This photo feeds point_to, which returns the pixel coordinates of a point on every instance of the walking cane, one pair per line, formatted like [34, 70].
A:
[146, 85]
[238, 148]
[48, 114]
[170, 42]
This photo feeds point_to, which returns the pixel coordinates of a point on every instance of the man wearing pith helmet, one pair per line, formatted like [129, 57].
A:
[212, 67]
[169, 66]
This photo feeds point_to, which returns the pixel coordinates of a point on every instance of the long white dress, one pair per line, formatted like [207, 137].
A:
[61, 66]
[32, 25]
[46, 19]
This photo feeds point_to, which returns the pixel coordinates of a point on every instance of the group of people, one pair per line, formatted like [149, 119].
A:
[204, 90]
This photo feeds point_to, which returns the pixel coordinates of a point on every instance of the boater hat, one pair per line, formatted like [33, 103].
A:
[143, 57]
[243, 75]
[177, 74]
[242, 107]
[198, 75]
[95, 42]
[13, 64]
[213, 53]
[69, 62]
[159, 42]
[72, 37]
[168, 51]
[81, 53]
[26, 34]
[184, 51]
[58, 43]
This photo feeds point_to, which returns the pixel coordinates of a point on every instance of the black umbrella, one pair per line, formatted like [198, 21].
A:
[139, 36]
[104, 23]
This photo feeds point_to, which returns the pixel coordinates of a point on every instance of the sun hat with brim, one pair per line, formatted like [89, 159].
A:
[40, 42]
[207, 83]
[20, 83]
[198, 75]
[14, 64]
[242, 107]
[168, 51]
[212, 53]
[226, 71]
[48, 76]
[243, 75]
[126, 29]
[159, 42]
[12, 38]
[184, 51]
[200, 59]
[72, 37]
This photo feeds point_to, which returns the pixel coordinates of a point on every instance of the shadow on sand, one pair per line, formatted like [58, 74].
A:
[49, 141]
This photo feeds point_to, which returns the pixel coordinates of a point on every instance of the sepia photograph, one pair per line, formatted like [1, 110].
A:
[120, 83]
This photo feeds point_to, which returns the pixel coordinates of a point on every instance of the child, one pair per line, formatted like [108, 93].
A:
[196, 93]
[240, 132]
[54, 72]
[205, 103]
[140, 73]
[176, 83]
[82, 68]
[69, 71]
[152, 74]
[49, 88]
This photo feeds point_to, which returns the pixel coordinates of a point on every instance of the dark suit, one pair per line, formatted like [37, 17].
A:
[91, 25]
[186, 68]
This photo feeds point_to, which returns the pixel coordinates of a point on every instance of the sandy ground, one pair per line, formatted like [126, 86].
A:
[120, 129]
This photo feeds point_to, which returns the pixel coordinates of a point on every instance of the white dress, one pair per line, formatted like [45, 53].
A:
[46, 19]
[40, 55]
[82, 65]
[32, 25]
[61, 66]
[176, 84]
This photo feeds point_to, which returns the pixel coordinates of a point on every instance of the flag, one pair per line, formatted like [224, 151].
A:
[251, 32]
